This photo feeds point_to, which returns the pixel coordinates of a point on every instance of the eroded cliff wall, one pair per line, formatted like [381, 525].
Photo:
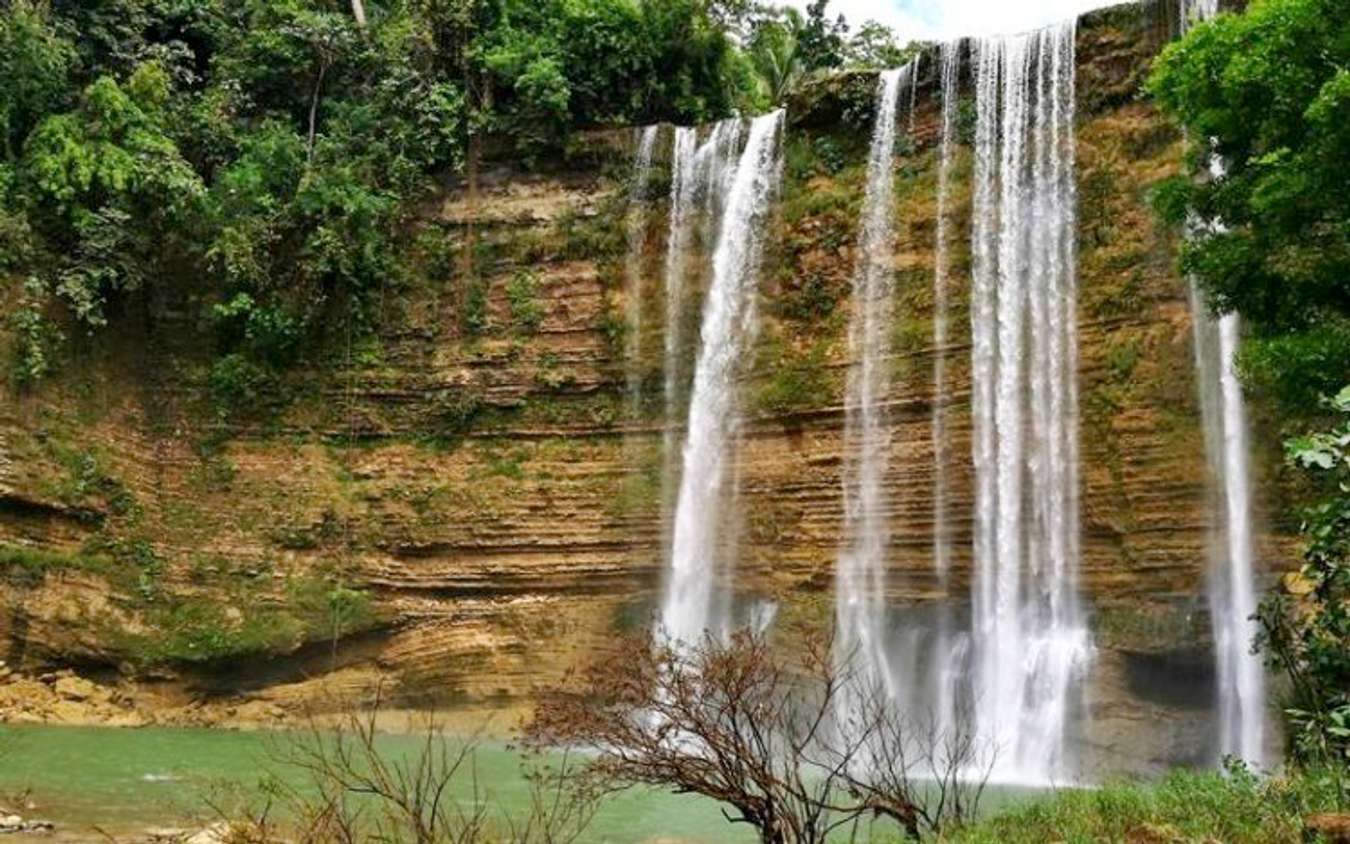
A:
[463, 497]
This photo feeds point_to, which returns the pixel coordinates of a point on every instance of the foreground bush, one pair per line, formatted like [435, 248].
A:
[792, 742]
[1183, 808]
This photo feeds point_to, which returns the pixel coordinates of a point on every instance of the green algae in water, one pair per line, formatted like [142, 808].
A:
[124, 780]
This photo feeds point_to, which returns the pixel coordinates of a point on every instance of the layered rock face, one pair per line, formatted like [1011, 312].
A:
[466, 500]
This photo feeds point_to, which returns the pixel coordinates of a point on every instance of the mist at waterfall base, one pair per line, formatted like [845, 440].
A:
[1009, 656]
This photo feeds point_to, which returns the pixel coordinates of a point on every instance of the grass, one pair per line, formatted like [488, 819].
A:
[798, 380]
[1185, 807]
[203, 629]
[206, 627]
[31, 564]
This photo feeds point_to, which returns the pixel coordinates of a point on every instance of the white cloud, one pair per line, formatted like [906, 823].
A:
[940, 20]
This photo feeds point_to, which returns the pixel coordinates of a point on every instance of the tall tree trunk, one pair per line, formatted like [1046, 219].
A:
[359, 12]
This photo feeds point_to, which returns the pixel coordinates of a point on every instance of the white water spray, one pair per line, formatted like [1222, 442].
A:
[1196, 11]
[637, 246]
[728, 329]
[950, 71]
[1239, 675]
[1030, 642]
[949, 653]
[860, 573]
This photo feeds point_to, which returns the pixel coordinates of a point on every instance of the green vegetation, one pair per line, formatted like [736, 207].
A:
[190, 629]
[1307, 627]
[263, 159]
[30, 565]
[1149, 628]
[800, 380]
[1236, 807]
[1268, 93]
[526, 312]
[231, 620]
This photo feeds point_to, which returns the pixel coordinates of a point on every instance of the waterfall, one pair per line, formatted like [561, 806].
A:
[683, 183]
[1239, 675]
[1194, 11]
[946, 676]
[1232, 592]
[637, 245]
[1030, 640]
[697, 178]
[860, 572]
[950, 70]
[727, 330]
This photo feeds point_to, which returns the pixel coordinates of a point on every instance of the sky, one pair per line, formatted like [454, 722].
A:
[940, 20]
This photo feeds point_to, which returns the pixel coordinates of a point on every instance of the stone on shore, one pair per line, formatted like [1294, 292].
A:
[1332, 827]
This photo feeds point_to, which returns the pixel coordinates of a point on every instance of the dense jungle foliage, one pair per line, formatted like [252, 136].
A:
[1265, 100]
[1264, 97]
[269, 152]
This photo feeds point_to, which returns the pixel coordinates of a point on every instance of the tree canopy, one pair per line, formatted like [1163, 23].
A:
[1266, 94]
[269, 151]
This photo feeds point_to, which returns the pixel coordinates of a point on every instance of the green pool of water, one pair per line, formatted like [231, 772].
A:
[124, 780]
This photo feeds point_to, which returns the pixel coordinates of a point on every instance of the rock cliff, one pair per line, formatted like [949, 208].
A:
[464, 498]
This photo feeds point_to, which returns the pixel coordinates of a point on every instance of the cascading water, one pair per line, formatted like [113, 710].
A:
[637, 245]
[1194, 11]
[860, 572]
[1030, 641]
[1232, 592]
[1239, 675]
[682, 209]
[950, 70]
[699, 174]
[949, 647]
[727, 330]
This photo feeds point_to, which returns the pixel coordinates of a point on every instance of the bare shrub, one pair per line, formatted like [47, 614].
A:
[795, 746]
[342, 784]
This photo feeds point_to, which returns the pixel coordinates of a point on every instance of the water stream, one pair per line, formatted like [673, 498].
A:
[637, 247]
[860, 572]
[1030, 642]
[950, 645]
[1239, 675]
[727, 332]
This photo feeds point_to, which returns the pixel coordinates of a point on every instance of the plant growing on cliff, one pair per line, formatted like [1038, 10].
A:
[1267, 94]
[1306, 627]
[795, 747]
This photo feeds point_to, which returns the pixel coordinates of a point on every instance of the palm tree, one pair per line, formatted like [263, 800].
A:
[775, 54]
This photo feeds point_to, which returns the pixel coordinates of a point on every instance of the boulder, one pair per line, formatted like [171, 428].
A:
[1328, 828]
[75, 688]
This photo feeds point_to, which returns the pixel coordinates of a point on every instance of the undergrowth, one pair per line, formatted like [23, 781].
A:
[1185, 807]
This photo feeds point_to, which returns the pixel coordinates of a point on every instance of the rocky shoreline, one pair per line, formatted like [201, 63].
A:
[65, 697]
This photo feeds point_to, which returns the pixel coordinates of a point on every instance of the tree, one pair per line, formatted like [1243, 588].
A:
[111, 188]
[776, 54]
[35, 62]
[1306, 627]
[795, 748]
[822, 40]
[1267, 94]
[270, 154]
[339, 782]
[875, 45]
